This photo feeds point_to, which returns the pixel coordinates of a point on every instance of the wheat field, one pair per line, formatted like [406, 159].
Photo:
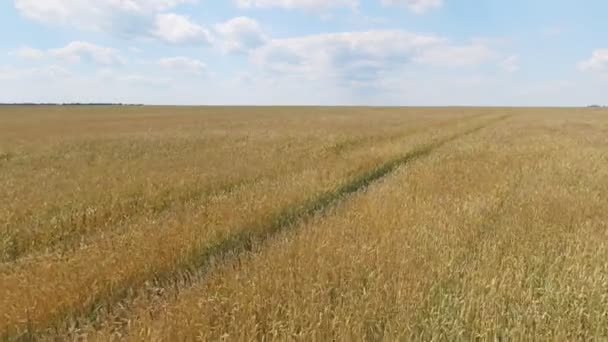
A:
[303, 223]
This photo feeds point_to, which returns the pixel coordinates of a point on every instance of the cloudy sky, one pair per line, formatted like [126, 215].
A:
[373, 52]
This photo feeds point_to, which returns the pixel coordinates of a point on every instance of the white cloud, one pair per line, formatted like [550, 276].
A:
[241, 34]
[183, 64]
[178, 29]
[297, 4]
[125, 18]
[360, 58]
[598, 62]
[75, 52]
[416, 6]
[510, 64]
[94, 14]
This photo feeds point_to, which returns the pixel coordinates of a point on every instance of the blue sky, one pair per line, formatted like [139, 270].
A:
[311, 52]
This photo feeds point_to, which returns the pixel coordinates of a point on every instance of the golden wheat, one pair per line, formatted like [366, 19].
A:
[172, 223]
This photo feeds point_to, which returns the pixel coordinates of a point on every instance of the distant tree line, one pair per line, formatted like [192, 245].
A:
[67, 104]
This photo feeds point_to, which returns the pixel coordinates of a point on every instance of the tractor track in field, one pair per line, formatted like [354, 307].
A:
[81, 230]
[193, 268]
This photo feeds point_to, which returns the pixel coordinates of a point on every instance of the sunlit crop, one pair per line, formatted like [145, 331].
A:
[169, 223]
